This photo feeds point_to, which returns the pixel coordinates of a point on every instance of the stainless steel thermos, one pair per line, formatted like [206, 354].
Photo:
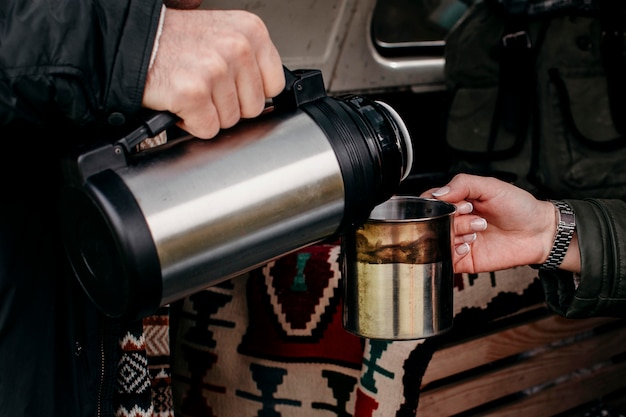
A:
[145, 228]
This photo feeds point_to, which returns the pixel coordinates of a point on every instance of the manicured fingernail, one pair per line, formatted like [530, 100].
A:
[442, 191]
[465, 208]
[478, 225]
[469, 238]
[463, 249]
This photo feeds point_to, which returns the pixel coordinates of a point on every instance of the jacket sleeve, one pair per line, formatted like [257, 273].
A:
[601, 290]
[82, 60]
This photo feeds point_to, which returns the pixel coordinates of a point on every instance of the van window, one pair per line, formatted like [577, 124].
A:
[414, 27]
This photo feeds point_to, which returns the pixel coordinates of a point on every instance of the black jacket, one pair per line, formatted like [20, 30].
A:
[84, 60]
[68, 69]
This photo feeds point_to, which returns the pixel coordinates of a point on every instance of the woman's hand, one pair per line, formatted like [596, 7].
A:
[497, 225]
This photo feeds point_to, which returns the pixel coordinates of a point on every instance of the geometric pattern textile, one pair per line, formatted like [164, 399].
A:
[271, 343]
[143, 386]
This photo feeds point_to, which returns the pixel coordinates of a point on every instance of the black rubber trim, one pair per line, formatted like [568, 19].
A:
[111, 248]
[365, 144]
[357, 167]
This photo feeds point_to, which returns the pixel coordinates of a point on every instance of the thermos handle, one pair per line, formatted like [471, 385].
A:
[151, 126]
[301, 87]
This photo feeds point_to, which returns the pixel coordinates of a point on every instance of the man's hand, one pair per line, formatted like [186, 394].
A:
[212, 68]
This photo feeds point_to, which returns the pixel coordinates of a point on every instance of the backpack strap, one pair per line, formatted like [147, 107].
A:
[516, 74]
[516, 91]
[611, 14]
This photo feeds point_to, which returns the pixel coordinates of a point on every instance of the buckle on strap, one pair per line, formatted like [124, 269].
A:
[517, 39]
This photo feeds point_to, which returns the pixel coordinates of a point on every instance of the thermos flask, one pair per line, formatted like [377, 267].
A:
[145, 228]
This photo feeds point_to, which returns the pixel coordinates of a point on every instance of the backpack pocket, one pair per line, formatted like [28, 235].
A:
[473, 129]
[474, 111]
[561, 139]
[578, 149]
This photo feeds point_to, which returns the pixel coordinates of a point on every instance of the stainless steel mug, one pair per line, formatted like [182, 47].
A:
[145, 229]
[397, 271]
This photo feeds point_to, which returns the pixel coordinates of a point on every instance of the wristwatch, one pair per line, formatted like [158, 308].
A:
[564, 232]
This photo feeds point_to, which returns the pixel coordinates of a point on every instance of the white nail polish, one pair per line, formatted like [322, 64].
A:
[463, 249]
[469, 238]
[466, 208]
[478, 225]
[442, 191]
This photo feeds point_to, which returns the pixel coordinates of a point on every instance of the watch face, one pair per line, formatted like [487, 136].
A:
[566, 215]
[568, 219]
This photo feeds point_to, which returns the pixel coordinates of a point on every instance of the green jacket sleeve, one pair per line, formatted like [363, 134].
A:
[601, 291]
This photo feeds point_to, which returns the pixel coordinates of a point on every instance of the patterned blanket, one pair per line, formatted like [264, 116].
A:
[271, 343]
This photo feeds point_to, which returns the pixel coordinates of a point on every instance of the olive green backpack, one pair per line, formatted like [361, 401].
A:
[539, 95]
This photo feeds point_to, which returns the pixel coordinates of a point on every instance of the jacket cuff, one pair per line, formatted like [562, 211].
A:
[602, 244]
[135, 47]
[558, 287]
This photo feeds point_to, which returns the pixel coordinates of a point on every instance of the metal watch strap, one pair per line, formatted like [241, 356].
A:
[564, 232]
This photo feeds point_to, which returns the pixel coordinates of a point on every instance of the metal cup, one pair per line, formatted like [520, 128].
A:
[397, 271]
